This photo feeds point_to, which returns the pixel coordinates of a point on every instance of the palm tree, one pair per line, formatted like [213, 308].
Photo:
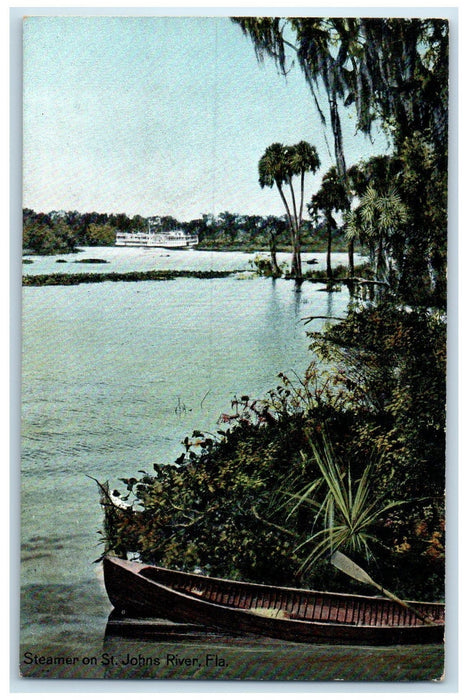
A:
[278, 165]
[314, 42]
[273, 170]
[376, 221]
[272, 226]
[330, 197]
[303, 158]
[391, 70]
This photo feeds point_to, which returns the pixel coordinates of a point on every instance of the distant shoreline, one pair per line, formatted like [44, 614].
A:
[318, 247]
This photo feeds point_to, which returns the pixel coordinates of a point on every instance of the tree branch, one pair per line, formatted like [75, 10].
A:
[277, 527]
[308, 319]
[352, 280]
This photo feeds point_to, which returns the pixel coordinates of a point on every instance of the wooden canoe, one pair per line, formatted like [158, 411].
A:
[139, 590]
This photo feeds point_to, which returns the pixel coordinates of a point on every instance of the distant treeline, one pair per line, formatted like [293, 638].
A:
[62, 232]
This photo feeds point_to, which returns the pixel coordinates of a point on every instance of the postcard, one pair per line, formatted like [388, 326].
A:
[234, 333]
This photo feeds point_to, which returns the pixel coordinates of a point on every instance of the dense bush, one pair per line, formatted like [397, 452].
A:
[241, 504]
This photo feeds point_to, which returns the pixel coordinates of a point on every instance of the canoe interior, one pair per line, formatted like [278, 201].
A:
[295, 604]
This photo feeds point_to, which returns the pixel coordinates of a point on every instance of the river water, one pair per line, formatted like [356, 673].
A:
[114, 376]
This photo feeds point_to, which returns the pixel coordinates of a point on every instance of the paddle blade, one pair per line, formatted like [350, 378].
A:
[344, 564]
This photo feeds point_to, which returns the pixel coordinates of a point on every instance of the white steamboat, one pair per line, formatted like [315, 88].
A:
[152, 238]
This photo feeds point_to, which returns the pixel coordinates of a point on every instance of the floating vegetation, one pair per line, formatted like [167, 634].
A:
[149, 275]
[91, 261]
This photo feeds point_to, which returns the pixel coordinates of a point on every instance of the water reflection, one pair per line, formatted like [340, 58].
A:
[142, 648]
[123, 627]
[330, 296]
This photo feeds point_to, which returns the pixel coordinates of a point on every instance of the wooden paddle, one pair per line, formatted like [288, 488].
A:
[343, 563]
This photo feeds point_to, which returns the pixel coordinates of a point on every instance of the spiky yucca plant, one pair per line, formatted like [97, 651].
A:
[347, 508]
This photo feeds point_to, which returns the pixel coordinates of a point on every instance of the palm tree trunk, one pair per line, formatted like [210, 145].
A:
[341, 170]
[275, 270]
[297, 257]
[299, 242]
[291, 226]
[329, 243]
[351, 257]
[301, 207]
[296, 267]
[293, 199]
[286, 205]
[296, 270]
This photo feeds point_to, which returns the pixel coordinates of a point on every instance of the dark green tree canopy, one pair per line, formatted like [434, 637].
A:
[392, 69]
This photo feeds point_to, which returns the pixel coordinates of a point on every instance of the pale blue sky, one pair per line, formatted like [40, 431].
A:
[154, 115]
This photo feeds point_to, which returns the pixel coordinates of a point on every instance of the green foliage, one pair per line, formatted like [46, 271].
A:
[46, 238]
[349, 508]
[264, 268]
[331, 197]
[402, 219]
[395, 362]
[225, 504]
[340, 272]
[101, 235]
[142, 276]
[61, 232]
[57, 232]
[422, 253]
[209, 509]
[379, 391]
[393, 71]
[277, 166]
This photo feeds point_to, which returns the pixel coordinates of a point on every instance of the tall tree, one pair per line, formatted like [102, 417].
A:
[418, 244]
[376, 222]
[229, 225]
[273, 170]
[399, 75]
[278, 165]
[303, 158]
[331, 197]
[313, 42]
[272, 227]
[393, 70]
